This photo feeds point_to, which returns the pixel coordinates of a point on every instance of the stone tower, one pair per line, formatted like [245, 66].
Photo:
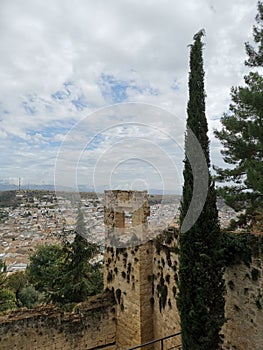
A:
[128, 265]
[125, 217]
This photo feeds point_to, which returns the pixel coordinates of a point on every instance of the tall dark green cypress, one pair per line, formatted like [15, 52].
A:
[201, 284]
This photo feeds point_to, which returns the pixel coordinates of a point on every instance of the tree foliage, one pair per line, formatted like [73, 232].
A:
[201, 285]
[81, 278]
[46, 269]
[29, 297]
[7, 297]
[255, 55]
[64, 272]
[242, 138]
[25, 294]
[7, 300]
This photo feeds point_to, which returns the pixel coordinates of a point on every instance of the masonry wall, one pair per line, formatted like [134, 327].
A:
[165, 288]
[144, 280]
[125, 274]
[128, 265]
[244, 295]
[243, 300]
[244, 305]
[91, 326]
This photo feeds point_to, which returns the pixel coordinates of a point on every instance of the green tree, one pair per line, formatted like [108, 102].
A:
[201, 284]
[64, 272]
[255, 55]
[82, 279]
[242, 139]
[3, 215]
[30, 297]
[46, 270]
[7, 297]
[26, 294]
[16, 282]
[7, 300]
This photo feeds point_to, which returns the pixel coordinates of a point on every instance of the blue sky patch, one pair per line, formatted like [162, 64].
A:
[115, 90]
[60, 95]
[29, 108]
[51, 131]
[80, 103]
[68, 83]
[95, 142]
[175, 85]
[3, 111]
[152, 91]
[112, 89]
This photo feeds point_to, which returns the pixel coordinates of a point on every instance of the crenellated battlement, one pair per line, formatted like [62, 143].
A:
[125, 217]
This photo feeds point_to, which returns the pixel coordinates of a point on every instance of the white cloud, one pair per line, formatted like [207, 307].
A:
[64, 48]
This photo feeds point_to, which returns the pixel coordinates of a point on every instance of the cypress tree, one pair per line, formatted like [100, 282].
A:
[201, 284]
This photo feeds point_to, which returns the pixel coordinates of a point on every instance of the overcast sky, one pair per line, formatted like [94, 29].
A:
[62, 61]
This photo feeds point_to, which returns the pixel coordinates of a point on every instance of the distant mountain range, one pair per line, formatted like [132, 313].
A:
[10, 187]
[81, 188]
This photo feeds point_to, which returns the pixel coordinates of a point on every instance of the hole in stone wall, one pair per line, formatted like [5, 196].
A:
[127, 219]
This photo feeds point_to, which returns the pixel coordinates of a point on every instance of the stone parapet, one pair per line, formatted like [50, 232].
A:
[92, 325]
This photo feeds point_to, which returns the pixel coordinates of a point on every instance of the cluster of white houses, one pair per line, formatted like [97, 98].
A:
[46, 217]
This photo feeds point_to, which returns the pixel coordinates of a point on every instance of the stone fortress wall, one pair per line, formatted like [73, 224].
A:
[143, 278]
[91, 326]
[244, 303]
[139, 304]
